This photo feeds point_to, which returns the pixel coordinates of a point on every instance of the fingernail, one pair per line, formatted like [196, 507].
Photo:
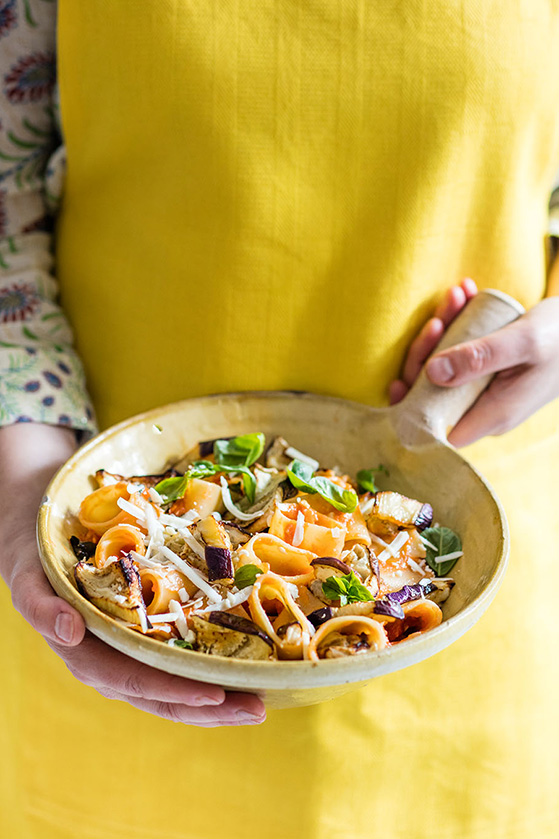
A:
[440, 370]
[64, 627]
[208, 700]
[246, 716]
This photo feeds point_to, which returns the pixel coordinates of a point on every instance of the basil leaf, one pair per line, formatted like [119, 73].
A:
[239, 451]
[180, 642]
[365, 478]
[302, 477]
[201, 469]
[342, 499]
[249, 481]
[446, 541]
[172, 488]
[346, 589]
[246, 575]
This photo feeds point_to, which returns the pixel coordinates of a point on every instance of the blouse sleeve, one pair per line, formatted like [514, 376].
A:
[41, 377]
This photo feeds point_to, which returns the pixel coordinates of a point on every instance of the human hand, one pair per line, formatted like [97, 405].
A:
[29, 455]
[523, 355]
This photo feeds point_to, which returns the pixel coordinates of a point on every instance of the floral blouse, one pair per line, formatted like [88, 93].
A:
[41, 377]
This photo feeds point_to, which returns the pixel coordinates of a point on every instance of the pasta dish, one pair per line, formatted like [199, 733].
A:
[252, 550]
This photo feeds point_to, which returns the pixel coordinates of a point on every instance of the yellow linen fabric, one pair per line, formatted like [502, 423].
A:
[273, 195]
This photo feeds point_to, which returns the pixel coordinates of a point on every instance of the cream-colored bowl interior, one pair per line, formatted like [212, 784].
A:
[335, 432]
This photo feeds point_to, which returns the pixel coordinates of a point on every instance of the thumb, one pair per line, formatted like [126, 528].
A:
[49, 614]
[508, 347]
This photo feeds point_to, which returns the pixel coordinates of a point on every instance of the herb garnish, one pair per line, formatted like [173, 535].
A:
[180, 642]
[346, 589]
[239, 451]
[446, 542]
[232, 456]
[246, 575]
[302, 477]
[365, 478]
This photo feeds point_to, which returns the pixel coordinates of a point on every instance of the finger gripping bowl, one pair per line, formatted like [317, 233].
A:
[409, 439]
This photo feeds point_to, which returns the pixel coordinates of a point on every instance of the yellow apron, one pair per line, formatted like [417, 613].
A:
[268, 194]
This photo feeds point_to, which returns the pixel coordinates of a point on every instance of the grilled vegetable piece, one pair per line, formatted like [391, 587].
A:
[329, 566]
[398, 509]
[324, 567]
[362, 561]
[104, 478]
[82, 550]
[438, 589]
[275, 456]
[231, 636]
[116, 589]
[320, 616]
[217, 550]
[237, 534]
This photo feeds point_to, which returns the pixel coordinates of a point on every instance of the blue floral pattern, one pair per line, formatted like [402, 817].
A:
[41, 378]
[8, 17]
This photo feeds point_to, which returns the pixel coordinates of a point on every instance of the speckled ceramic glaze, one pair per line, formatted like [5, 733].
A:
[409, 439]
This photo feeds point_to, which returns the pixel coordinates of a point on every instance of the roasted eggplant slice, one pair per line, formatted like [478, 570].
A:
[438, 589]
[275, 457]
[329, 566]
[362, 561]
[320, 616]
[217, 550]
[104, 478]
[83, 550]
[324, 567]
[116, 589]
[402, 511]
[231, 636]
[237, 534]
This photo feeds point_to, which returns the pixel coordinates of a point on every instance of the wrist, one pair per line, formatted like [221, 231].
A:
[30, 454]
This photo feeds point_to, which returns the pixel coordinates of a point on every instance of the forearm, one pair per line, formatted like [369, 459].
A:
[30, 454]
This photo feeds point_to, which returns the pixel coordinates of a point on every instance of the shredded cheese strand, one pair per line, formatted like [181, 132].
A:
[193, 575]
[232, 508]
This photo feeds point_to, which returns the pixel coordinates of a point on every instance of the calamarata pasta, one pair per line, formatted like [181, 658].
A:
[256, 552]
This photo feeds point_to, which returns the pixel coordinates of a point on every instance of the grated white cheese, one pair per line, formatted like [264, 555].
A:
[415, 566]
[193, 575]
[233, 509]
[378, 541]
[144, 561]
[367, 505]
[155, 497]
[169, 617]
[193, 543]
[428, 543]
[445, 557]
[299, 533]
[183, 594]
[181, 624]
[132, 509]
[229, 602]
[143, 620]
[155, 528]
[305, 458]
[178, 522]
[395, 547]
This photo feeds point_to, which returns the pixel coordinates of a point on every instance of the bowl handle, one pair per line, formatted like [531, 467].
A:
[431, 411]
